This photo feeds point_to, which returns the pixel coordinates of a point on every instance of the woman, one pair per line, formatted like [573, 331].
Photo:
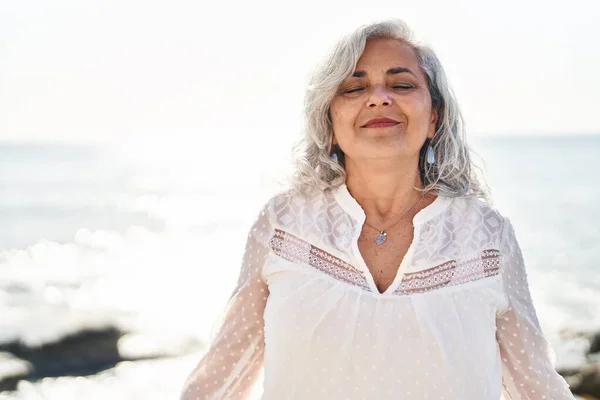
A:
[382, 274]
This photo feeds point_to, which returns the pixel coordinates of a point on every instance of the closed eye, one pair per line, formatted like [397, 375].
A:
[404, 86]
[353, 90]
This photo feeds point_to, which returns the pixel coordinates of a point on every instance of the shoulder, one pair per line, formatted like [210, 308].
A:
[293, 198]
[478, 209]
[478, 217]
[288, 204]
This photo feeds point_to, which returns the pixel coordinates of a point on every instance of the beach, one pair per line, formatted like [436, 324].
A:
[114, 267]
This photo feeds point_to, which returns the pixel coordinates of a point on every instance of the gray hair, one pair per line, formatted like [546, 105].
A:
[451, 175]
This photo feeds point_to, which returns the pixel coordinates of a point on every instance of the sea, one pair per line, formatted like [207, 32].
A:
[148, 240]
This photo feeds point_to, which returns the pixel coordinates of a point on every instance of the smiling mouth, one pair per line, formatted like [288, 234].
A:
[381, 124]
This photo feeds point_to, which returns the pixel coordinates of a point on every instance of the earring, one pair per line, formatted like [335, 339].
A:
[335, 149]
[430, 155]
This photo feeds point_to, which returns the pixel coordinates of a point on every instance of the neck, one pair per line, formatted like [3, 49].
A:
[384, 191]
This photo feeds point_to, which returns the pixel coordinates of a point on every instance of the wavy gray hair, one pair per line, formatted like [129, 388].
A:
[451, 175]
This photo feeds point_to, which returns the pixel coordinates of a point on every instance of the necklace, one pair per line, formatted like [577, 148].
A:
[381, 237]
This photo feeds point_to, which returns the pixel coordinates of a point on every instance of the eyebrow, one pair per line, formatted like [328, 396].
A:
[391, 71]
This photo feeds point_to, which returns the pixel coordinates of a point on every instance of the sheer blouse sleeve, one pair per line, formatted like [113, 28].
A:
[234, 360]
[528, 372]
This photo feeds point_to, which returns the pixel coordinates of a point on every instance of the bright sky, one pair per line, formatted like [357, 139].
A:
[95, 70]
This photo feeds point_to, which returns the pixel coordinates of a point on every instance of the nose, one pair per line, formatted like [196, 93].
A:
[378, 97]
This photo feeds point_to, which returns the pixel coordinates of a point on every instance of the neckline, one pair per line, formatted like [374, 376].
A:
[351, 206]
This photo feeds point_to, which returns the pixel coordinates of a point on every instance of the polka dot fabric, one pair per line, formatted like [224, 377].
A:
[457, 322]
[232, 364]
[527, 358]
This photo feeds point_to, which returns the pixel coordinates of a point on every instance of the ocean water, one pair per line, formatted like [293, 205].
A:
[93, 236]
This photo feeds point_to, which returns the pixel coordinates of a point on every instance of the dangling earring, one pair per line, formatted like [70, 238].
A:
[335, 149]
[337, 155]
[430, 155]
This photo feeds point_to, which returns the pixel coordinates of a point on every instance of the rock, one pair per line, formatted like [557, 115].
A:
[83, 353]
[595, 343]
[586, 382]
[12, 370]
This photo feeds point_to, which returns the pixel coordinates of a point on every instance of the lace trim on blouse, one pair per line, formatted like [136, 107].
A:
[450, 273]
[294, 249]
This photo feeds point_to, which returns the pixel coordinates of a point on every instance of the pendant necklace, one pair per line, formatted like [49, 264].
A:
[381, 237]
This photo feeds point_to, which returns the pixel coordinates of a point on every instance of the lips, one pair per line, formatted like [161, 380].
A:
[380, 123]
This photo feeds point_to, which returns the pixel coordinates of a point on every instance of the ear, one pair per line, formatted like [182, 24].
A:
[433, 123]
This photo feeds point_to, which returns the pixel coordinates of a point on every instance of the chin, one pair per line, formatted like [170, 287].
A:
[387, 154]
[390, 145]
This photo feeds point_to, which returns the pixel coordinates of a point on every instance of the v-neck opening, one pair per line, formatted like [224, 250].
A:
[352, 207]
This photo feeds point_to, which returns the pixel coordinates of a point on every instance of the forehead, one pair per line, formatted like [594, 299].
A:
[385, 53]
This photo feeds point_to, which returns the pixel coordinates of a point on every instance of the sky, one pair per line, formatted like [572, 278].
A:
[225, 73]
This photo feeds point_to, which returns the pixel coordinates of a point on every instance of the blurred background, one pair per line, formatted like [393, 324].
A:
[139, 139]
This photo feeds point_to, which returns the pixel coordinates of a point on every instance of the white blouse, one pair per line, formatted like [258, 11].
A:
[457, 322]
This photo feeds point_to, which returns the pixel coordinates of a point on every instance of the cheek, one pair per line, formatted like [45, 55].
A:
[419, 109]
[341, 115]
[336, 115]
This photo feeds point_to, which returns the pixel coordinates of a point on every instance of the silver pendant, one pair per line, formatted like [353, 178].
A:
[381, 237]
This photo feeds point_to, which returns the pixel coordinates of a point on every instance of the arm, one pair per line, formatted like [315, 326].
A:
[527, 359]
[232, 364]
